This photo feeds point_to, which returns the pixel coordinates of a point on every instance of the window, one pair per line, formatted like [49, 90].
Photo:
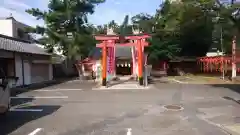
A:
[20, 33]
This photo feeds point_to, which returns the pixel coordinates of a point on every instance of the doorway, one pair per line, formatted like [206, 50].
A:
[7, 67]
[123, 67]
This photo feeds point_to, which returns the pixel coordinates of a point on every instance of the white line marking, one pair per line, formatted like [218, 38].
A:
[35, 131]
[111, 89]
[217, 125]
[129, 131]
[27, 97]
[26, 110]
[52, 90]
[189, 78]
[178, 81]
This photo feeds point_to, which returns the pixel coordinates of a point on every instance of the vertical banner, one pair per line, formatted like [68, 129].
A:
[110, 62]
[133, 61]
[136, 59]
[114, 61]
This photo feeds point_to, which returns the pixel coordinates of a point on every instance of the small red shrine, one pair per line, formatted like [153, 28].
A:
[217, 63]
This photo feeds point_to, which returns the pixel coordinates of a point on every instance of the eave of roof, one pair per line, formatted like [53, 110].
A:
[17, 45]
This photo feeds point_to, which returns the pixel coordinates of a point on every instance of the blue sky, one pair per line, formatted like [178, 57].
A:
[117, 9]
[110, 10]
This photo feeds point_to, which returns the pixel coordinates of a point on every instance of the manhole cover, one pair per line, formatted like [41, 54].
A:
[173, 107]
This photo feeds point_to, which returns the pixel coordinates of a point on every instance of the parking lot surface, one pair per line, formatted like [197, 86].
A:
[75, 108]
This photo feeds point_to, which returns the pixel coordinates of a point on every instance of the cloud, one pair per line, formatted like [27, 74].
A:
[104, 13]
[118, 9]
[24, 18]
[117, 3]
[17, 9]
[108, 11]
[107, 15]
[16, 4]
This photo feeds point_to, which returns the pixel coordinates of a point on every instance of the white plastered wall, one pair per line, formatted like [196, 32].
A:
[18, 68]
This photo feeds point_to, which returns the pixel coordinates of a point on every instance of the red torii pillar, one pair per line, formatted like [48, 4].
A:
[106, 41]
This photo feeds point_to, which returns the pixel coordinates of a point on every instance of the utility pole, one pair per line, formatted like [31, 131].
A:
[222, 57]
[219, 21]
[234, 74]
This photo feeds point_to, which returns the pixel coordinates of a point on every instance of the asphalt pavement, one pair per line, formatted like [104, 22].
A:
[75, 108]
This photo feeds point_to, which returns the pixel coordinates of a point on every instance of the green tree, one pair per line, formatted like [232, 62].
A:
[65, 23]
[196, 27]
[165, 33]
[179, 28]
[143, 22]
[114, 26]
[230, 21]
[125, 28]
[101, 29]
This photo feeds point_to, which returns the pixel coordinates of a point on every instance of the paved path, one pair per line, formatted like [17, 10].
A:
[193, 80]
[125, 83]
[74, 108]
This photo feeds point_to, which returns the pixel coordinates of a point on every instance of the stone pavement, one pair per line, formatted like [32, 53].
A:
[193, 80]
[125, 83]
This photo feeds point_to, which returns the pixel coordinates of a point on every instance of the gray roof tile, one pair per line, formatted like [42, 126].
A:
[16, 45]
[121, 52]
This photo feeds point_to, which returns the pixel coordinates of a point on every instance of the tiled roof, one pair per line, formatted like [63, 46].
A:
[121, 51]
[16, 45]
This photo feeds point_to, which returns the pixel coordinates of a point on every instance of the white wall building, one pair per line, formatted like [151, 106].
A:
[19, 57]
[24, 60]
[12, 28]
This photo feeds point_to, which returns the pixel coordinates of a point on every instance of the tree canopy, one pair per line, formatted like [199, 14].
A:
[190, 27]
[179, 28]
[66, 25]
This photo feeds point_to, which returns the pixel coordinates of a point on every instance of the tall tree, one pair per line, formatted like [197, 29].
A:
[143, 22]
[165, 33]
[125, 27]
[196, 27]
[179, 28]
[114, 26]
[65, 23]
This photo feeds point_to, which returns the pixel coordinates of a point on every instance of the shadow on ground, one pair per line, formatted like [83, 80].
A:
[131, 79]
[18, 101]
[233, 87]
[116, 82]
[159, 79]
[13, 120]
[22, 89]
[231, 99]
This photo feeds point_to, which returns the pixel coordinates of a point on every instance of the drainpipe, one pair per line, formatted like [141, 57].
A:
[23, 75]
[14, 56]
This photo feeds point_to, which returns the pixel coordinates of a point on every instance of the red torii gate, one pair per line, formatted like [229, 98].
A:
[108, 41]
